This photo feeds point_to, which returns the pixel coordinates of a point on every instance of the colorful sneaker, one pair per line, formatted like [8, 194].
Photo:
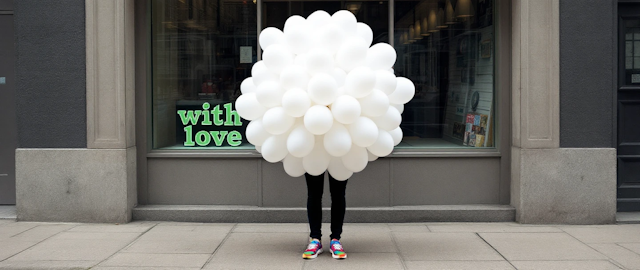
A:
[314, 248]
[336, 250]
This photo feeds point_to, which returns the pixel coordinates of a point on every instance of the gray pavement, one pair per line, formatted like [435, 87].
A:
[173, 245]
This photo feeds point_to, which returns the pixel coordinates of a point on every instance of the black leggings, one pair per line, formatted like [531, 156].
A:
[315, 187]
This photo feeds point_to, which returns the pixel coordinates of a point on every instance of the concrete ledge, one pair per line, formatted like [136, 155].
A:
[75, 185]
[564, 185]
[253, 214]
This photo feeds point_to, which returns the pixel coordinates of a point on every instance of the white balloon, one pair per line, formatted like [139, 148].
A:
[316, 162]
[296, 102]
[385, 81]
[270, 94]
[277, 57]
[365, 33]
[293, 22]
[318, 18]
[323, 89]
[346, 109]
[339, 75]
[319, 60]
[351, 54]
[300, 60]
[372, 157]
[255, 133]
[374, 104]
[270, 36]
[364, 132]
[337, 169]
[276, 121]
[293, 166]
[318, 119]
[346, 20]
[390, 120]
[260, 73]
[294, 76]
[274, 148]
[248, 107]
[337, 141]
[383, 145]
[381, 56]
[396, 134]
[329, 37]
[399, 107]
[300, 141]
[360, 82]
[405, 90]
[356, 159]
[247, 86]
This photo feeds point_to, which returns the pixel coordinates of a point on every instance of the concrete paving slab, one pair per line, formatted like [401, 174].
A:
[271, 227]
[409, 227]
[363, 242]
[635, 247]
[355, 261]
[444, 247]
[42, 232]
[489, 227]
[180, 239]
[361, 227]
[459, 265]
[49, 265]
[136, 227]
[13, 228]
[10, 247]
[540, 246]
[618, 254]
[623, 233]
[140, 268]
[76, 246]
[157, 260]
[565, 265]
[268, 251]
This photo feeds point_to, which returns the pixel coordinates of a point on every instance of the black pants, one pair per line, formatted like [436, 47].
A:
[315, 186]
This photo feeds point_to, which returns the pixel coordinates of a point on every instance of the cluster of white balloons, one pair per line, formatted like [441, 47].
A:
[323, 98]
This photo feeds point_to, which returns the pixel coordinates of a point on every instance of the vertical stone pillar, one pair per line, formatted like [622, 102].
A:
[96, 183]
[550, 184]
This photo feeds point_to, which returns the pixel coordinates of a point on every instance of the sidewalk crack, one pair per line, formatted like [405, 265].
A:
[514, 267]
[221, 243]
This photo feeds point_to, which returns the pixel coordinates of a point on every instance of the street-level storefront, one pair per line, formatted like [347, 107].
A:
[455, 149]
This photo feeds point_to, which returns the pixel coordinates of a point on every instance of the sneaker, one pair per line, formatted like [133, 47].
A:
[336, 250]
[314, 248]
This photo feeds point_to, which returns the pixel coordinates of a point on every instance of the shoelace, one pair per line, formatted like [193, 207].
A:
[337, 246]
[312, 246]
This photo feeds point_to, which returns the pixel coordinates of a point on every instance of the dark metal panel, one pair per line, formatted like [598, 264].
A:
[445, 181]
[51, 75]
[586, 73]
[203, 181]
[8, 132]
[6, 5]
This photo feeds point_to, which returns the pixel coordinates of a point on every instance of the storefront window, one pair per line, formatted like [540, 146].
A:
[201, 52]
[446, 48]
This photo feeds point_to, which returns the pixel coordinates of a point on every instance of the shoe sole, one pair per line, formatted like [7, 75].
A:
[336, 257]
[314, 256]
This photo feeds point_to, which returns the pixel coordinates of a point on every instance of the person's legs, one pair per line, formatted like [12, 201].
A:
[315, 186]
[338, 206]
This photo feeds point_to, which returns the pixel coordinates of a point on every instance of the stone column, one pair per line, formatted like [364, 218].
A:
[97, 183]
[550, 184]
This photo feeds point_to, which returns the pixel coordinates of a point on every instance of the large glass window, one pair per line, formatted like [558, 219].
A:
[202, 50]
[446, 48]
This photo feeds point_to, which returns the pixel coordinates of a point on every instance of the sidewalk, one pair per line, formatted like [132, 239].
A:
[170, 245]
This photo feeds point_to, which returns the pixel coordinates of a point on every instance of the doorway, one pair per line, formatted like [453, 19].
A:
[628, 92]
[8, 130]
